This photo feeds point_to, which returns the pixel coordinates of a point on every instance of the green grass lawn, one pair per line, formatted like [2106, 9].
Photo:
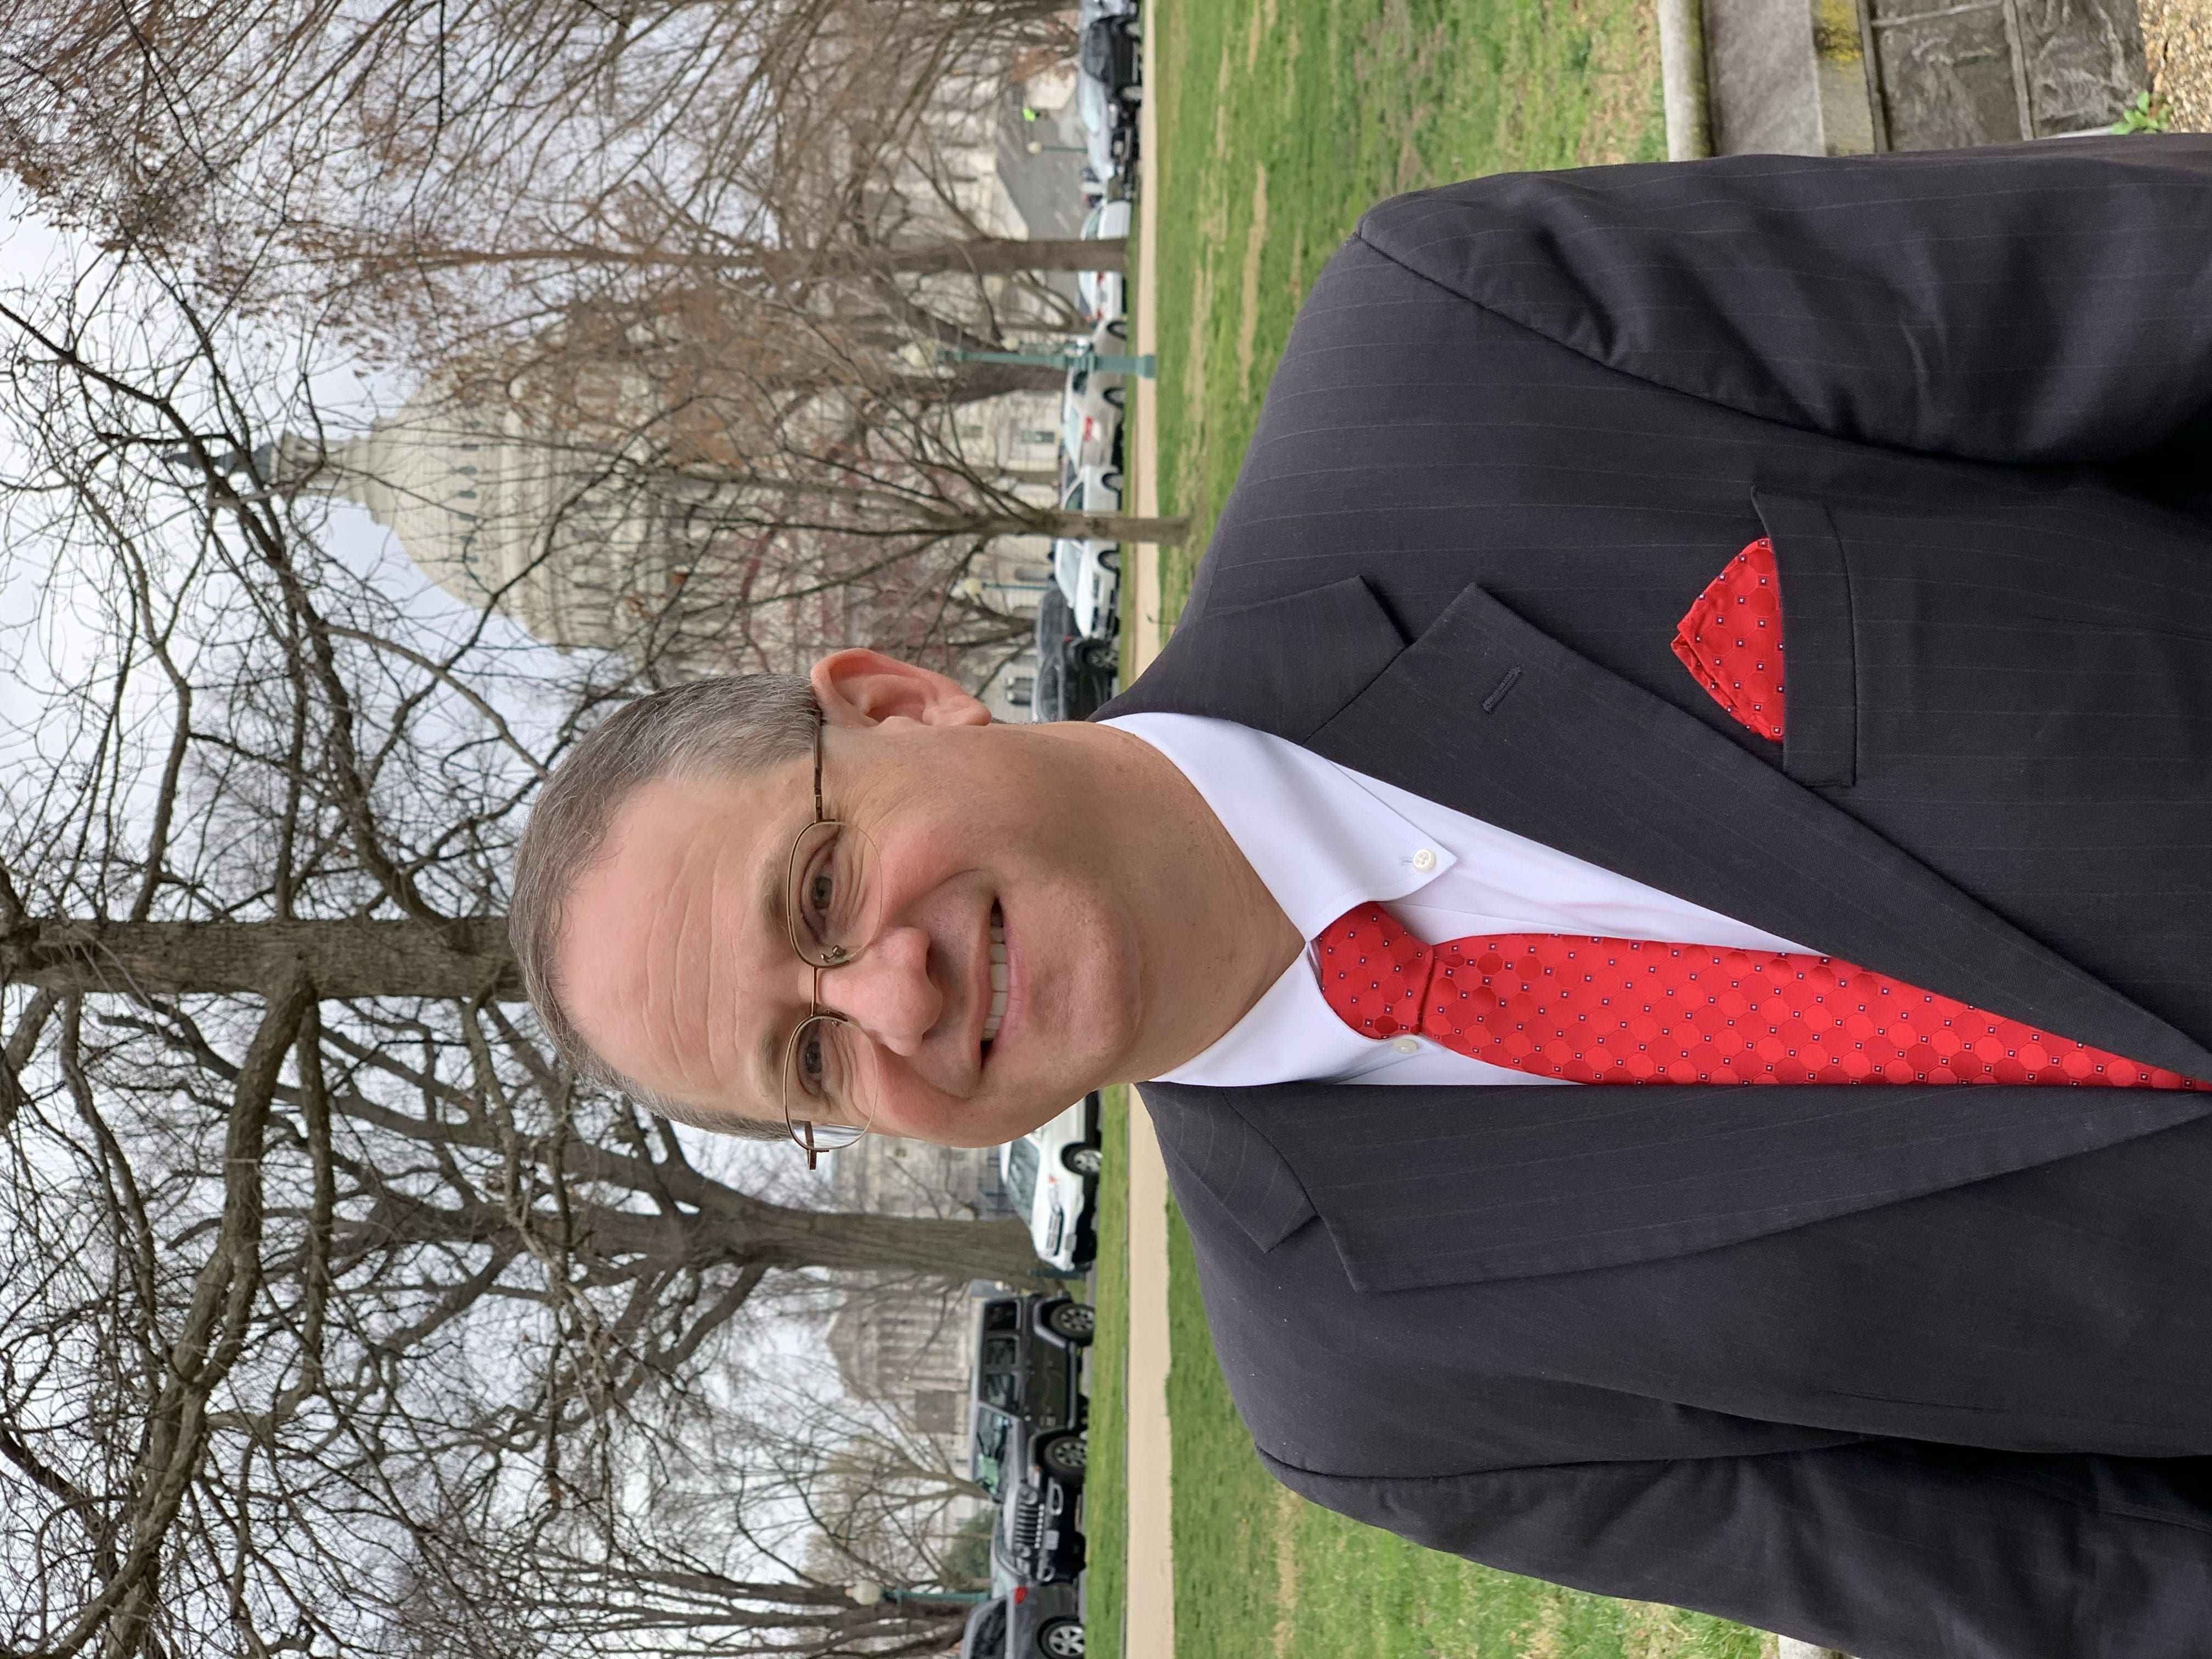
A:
[1280, 121]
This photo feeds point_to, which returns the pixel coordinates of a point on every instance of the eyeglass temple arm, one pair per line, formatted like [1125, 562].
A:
[820, 722]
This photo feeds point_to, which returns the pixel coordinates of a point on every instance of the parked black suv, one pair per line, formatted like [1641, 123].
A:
[1074, 673]
[1028, 1449]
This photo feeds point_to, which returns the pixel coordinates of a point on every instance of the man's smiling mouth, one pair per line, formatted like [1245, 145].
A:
[998, 1010]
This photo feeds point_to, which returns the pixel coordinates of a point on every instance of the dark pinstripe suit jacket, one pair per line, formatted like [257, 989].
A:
[1910, 1371]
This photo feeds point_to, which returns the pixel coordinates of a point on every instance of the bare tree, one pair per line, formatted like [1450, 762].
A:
[320, 1275]
[427, 175]
[757, 220]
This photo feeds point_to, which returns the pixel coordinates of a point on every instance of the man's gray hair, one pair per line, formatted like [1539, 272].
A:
[712, 728]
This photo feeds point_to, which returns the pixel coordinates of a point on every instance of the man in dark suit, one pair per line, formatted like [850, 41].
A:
[1911, 1356]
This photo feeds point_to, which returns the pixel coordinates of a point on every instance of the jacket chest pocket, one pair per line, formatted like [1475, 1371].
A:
[1820, 743]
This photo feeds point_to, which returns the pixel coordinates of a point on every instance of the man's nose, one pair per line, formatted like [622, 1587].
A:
[888, 993]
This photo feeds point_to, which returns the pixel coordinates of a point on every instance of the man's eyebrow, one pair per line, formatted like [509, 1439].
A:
[768, 1058]
[769, 891]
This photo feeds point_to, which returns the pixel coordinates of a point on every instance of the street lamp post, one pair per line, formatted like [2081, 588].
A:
[868, 1594]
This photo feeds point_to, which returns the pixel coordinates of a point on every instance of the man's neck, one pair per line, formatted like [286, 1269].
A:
[1214, 939]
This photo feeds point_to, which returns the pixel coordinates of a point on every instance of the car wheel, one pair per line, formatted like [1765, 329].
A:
[1076, 1322]
[1084, 1160]
[1100, 654]
[1113, 482]
[1130, 27]
[1111, 560]
[1067, 1457]
[1061, 1639]
[1118, 329]
[1116, 396]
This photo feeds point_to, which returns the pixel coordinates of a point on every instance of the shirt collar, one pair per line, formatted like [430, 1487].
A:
[1319, 847]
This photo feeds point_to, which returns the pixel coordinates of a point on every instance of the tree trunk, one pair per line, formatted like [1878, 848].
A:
[705, 1221]
[848, 1242]
[462, 958]
[1097, 526]
[984, 256]
[972, 382]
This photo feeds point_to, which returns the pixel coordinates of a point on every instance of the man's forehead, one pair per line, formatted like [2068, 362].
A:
[684, 876]
[659, 818]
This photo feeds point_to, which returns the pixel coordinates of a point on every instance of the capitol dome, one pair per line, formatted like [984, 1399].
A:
[503, 516]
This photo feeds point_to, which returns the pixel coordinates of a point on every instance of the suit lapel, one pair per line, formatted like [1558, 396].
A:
[1494, 718]
[1287, 666]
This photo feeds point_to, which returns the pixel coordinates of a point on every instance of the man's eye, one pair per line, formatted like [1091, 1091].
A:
[812, 1062]
[821, 891]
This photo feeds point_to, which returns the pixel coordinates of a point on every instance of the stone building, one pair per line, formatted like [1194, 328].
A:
[600, 482]
[907, 1345]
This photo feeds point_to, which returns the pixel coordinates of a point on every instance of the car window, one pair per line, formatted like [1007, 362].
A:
[987, 1632]
[988, 1458]
[1022, 1176]
[997, 1378]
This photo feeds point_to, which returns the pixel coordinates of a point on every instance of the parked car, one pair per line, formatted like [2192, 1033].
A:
[1103, 293]
[1124, 141]
[1094, 107]
[1087, 569]
[1107, 52]
[1028, 1448]
[1029, 1621]
[1107, 73]
[1051, 1174]
[1038, 1535]
[1074, 672]
[1091, 402]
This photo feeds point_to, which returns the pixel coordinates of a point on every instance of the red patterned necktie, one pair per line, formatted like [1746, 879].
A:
[1629, 1011]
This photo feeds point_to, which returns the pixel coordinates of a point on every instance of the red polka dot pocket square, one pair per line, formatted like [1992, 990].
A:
[1730, 639]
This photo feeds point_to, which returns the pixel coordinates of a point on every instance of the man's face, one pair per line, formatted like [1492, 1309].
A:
[678, 968]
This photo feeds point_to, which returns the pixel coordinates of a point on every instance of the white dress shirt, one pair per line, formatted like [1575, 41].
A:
[1324, 838]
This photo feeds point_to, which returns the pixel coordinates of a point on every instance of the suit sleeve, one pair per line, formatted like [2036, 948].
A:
[1886, 1550]
[2042, 302]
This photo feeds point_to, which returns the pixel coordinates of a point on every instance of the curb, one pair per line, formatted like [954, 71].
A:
[1684, 86]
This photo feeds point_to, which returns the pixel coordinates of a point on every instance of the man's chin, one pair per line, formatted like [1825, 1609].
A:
[979, 1123]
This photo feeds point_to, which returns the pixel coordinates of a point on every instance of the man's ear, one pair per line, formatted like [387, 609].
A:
[864, 688]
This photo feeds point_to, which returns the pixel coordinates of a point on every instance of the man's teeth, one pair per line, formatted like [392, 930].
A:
[998, 978]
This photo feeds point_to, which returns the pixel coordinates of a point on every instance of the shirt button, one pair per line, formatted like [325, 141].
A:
[1406, 1045]
[1424, 860]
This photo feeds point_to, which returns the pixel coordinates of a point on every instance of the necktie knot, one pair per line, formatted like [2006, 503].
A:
[1374, 973]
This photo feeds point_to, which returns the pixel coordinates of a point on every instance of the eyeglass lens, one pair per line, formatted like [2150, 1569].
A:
[831, 911]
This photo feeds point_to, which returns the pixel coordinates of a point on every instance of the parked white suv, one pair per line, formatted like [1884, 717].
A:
[1091, 400]
[1052, 1178]
[1102, 293]
[1088, 569]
